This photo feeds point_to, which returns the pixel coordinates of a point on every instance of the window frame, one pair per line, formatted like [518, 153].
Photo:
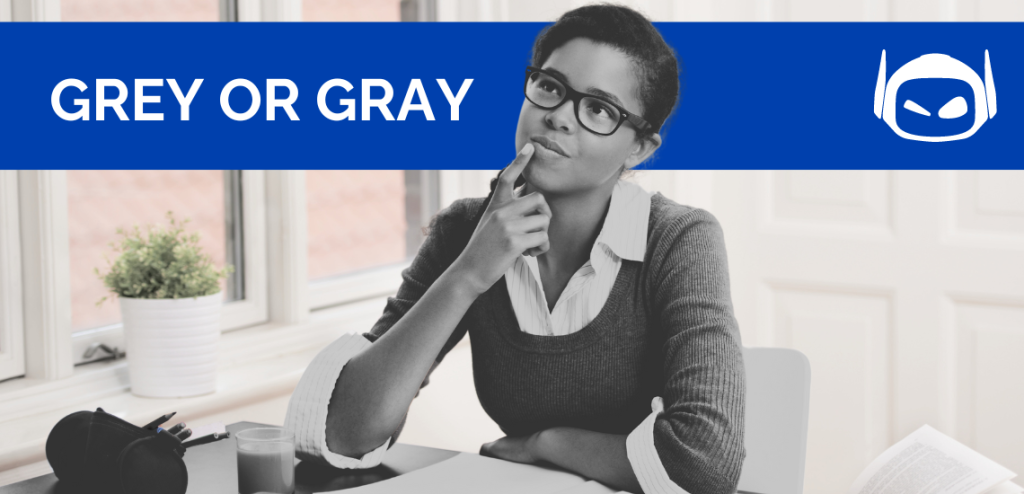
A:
[355, 286]
[45, 273]
[12, 330]
[31, 10]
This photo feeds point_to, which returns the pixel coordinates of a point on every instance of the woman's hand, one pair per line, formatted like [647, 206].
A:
[594, 455]
[509, 227]
[522, 449]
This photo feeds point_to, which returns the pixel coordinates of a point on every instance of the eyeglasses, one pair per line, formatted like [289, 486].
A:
[599, 115]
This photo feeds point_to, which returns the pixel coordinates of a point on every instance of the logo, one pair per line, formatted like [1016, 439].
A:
[931, 69]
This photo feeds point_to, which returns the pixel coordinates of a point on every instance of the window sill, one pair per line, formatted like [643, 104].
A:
[256, 364]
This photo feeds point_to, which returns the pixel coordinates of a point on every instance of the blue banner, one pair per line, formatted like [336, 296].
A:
[757, 95]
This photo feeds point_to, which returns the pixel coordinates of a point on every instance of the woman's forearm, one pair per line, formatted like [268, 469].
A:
[376, 387]
[594, 455]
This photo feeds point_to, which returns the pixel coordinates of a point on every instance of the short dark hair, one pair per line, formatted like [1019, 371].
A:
[629, 31]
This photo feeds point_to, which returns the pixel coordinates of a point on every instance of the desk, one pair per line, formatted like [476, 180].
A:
[212, 468]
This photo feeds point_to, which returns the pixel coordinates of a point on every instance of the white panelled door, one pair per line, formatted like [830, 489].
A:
[905, 289]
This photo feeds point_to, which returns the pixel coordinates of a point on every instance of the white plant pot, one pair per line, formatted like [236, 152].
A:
[172, 345]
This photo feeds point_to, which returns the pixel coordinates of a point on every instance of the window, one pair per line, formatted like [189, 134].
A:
[363, 226]
[356, 220]
[102, 201]
[222, 206]
[351, 10]
[225, 207]
[140, 10]
[57, 225]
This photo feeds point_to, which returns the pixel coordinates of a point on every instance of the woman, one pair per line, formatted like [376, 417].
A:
[599, 316]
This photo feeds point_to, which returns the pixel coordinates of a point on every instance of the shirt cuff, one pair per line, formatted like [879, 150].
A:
[307, 408]
[643, 456]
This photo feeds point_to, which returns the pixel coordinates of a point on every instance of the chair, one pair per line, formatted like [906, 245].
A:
[775, 436]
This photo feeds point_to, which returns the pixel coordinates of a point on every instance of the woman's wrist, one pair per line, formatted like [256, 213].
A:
[466, 279]
[594, 455]
[541, 445]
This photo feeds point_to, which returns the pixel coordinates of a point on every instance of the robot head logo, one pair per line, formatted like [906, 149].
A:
[941, 77]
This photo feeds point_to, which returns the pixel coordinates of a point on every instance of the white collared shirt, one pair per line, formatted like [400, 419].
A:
[623, 236]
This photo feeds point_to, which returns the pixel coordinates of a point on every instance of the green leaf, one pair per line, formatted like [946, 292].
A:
[165, 263]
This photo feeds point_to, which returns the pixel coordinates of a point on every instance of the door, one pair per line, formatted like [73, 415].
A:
[905, 289]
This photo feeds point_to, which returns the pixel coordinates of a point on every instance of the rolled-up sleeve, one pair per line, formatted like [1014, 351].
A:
[644, 459]
[307, 410]
[693, 439]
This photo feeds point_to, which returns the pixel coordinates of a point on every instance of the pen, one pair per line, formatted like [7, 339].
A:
[164, 432]
[152, 425]
[183, 435]
[209, 438]
[169, 440]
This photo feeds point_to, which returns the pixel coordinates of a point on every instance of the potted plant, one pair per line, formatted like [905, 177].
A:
[170, 306]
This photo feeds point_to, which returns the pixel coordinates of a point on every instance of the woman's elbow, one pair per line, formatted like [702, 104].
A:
[354, 443]
[709, 466]
[349, 436]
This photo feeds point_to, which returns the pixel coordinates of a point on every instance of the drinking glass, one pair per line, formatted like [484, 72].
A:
[266, 461]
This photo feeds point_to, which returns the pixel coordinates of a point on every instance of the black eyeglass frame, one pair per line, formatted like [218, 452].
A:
[576, 96]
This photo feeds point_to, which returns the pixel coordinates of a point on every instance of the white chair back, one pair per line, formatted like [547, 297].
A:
[775, 436]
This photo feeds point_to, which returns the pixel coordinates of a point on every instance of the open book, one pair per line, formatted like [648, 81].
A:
[930, 462]
[468, 473]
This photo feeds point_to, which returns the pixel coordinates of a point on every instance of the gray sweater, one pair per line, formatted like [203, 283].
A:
[667, 329]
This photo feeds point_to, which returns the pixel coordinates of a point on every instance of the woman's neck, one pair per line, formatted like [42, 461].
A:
[576, 221]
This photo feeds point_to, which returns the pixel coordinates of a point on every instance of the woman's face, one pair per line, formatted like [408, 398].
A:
[588, 160]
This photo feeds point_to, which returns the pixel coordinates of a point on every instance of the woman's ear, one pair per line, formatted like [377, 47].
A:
[643, 150]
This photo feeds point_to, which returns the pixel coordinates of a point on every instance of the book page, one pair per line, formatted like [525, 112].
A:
[468, 473]
[929, 462]
[1006, 488]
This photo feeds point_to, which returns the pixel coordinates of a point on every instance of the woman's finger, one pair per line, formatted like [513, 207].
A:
[530, 224]
[532, 202]
[533, 240]
[540, 249]
[507, 180]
